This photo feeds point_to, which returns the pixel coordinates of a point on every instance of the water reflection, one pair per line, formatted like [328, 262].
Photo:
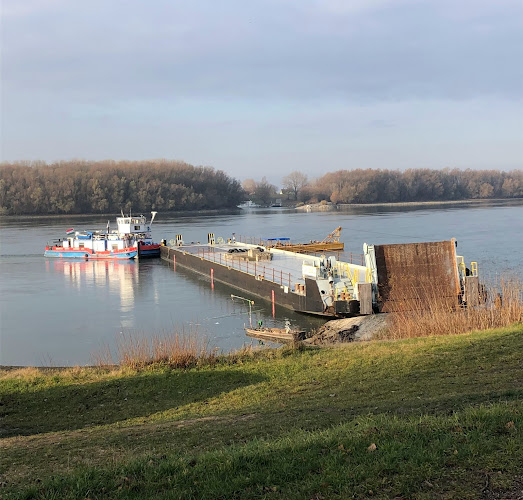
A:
[120, 278]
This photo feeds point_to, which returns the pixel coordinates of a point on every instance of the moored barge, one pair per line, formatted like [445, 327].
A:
[392, 277]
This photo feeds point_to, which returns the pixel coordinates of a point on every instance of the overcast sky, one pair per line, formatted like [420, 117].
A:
[265, 87]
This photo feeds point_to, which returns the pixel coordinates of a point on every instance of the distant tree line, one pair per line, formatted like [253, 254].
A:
[393, 186]
[390, 186]
[75, 187]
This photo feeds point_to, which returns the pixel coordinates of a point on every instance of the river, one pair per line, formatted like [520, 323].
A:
[63, 312]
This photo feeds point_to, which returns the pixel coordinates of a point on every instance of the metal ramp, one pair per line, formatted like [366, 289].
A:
[411, 276]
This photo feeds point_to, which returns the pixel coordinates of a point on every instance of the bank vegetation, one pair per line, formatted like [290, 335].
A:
[78, 187]
[362, 186]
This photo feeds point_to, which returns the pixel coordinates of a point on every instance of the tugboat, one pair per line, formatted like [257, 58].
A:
[131, 239]
[138, 233]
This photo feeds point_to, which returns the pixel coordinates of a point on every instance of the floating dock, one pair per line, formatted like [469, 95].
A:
[393, 278]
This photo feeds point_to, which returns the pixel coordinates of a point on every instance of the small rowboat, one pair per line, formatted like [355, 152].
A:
[279, 335]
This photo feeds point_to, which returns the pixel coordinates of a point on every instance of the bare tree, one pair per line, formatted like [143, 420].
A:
[249, 186]
[295, 182]
[265, 191]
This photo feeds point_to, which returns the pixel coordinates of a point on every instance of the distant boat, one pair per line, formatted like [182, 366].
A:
[131, 239]
[248, 204]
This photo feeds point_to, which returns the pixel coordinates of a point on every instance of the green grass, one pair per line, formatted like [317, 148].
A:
[445, 415]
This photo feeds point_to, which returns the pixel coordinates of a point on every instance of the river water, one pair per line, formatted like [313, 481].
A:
[63, 312]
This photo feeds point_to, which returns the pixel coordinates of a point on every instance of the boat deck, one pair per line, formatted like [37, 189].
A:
[285, 268]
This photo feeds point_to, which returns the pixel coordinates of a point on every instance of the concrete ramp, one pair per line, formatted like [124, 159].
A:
[412, 276]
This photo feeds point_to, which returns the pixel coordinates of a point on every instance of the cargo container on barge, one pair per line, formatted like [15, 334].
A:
[389, 278]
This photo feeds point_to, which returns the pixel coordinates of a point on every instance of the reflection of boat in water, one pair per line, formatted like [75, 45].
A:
[99, 272]
[280, 335]
[119, 277]
[132, 238]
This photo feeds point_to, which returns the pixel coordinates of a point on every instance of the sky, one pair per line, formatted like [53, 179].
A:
[265, 87]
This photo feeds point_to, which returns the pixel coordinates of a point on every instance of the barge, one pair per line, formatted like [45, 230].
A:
[391, 277]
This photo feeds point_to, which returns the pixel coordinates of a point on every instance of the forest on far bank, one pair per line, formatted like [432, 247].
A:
[87, 187]
[391, 186]
[78, 187]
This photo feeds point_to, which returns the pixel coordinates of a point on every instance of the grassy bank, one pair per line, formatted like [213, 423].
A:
[437, 417]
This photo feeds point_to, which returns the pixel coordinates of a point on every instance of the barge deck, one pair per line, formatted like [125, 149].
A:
[304, 283]
[398, 277]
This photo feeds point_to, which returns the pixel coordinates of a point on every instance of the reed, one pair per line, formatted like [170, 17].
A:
[502, 305]
[103, 357]
[179, 350]
[174, 349]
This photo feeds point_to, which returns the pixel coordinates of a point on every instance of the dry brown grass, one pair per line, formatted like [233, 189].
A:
[136, 351]
[502, 306]
[174, 349]
[19, 373]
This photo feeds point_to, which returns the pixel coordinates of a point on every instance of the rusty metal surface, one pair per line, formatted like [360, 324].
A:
[414, 276]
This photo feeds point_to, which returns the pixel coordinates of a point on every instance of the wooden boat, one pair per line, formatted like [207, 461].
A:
[279, 335]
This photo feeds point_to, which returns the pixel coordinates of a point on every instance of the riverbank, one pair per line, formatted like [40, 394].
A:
[308, 207]
[437, 417]
[112, 216]
[329, 207]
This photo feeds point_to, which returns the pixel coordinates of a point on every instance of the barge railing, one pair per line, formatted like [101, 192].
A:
[260, 271]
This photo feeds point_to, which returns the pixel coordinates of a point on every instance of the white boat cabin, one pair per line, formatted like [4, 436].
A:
[133, 225]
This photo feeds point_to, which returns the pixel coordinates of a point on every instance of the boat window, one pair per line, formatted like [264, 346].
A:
[136, 228]
[81, 245]
[115, 247]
